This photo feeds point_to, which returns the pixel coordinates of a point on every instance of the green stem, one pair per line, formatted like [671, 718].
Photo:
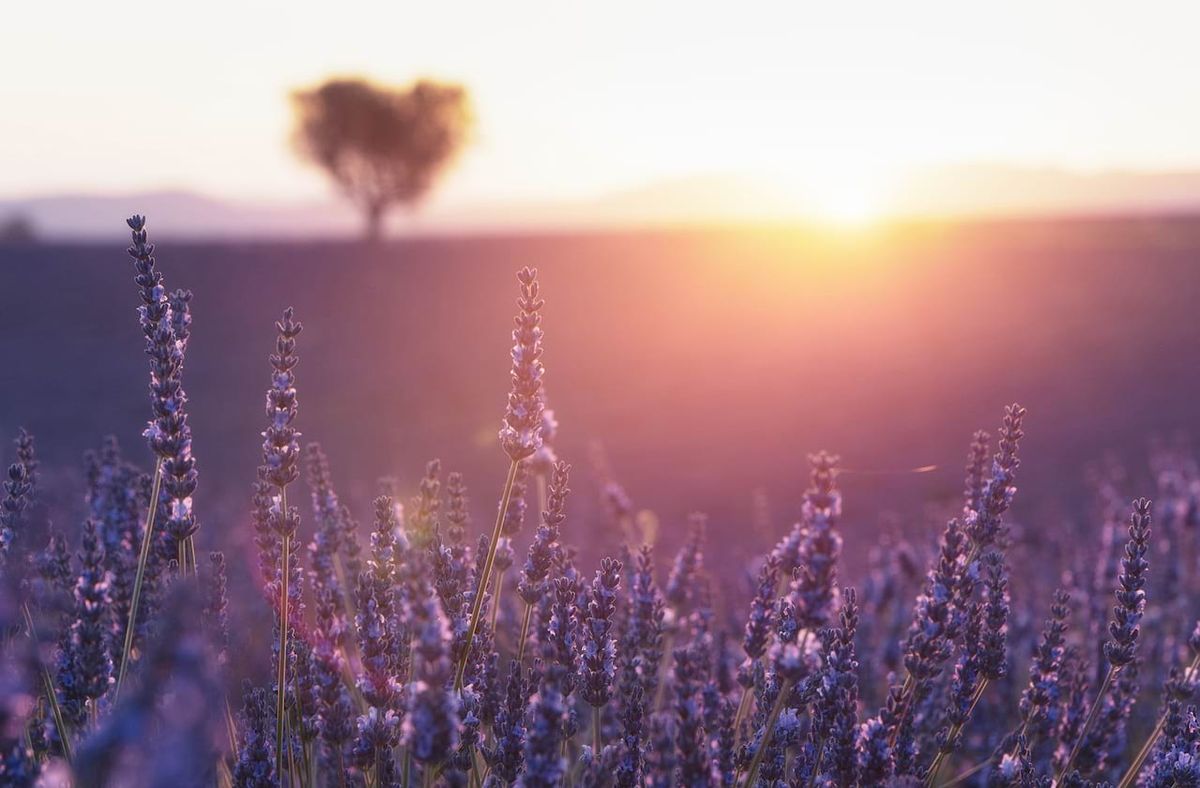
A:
[1015, 734]
[347, 606]
[931, 775]
[496, 599]
[281, 668]
[48, 686]
[902, 719]
[291, 754]
[596, 720]
[191, 554]
[768, 731]
[1091, 717]
[231, 727]
[482, 584]
[1131, 774]
[306, 755]
[524, 634]
[743, 707]
[143, 556]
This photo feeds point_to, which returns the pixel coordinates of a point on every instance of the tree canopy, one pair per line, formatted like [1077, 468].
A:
[381, 146]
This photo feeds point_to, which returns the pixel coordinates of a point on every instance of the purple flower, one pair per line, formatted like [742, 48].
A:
[281, 445]
[599, 651]
[976, 472]
[1130, 593]
[1040, 701]
[17, 489]
[507, 757]
[521, 433]
[814, 592]
[457, 512]
[432, 727]
[986, 528]
[544, 763]
[545, 542]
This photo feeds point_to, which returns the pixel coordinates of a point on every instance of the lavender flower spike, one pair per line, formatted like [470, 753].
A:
[281, 454]
[1121, 648]
[599, 650]
[521, 433]
[168, 433]
[1130, 594]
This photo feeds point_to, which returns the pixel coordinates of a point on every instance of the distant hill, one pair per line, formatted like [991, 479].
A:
[983, 189]
[967, 191]
[176, 214]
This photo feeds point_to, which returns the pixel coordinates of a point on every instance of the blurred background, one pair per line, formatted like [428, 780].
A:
[863, 227]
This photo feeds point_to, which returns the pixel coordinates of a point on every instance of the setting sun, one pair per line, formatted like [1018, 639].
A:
[849, 208]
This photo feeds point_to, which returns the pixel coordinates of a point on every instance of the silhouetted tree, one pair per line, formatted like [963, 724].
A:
[382, 146]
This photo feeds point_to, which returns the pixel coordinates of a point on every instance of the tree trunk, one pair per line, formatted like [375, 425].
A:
[374, 226]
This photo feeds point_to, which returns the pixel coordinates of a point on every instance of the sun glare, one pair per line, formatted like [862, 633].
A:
[849, 208]
[841, 194]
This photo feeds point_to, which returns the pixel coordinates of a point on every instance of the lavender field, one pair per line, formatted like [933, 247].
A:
[719, 508]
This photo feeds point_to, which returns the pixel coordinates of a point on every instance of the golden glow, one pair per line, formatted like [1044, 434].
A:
[831, 102]
[849, 208]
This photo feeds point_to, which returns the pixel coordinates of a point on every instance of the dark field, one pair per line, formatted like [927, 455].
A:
[709, 364]
[700, 369]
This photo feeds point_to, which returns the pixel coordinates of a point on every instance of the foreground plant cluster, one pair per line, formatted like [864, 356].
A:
[418, 651]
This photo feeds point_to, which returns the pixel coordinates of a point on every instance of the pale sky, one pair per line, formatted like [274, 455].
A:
[578, 98]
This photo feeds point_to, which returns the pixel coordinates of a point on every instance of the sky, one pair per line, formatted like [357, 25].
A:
[834, 101]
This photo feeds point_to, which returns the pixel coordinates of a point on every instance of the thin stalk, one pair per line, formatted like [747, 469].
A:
[1018, 732]
[660, 695]
[48, 687]
[596, 720]
[816, 772]
[1131, 774]
[281, 669]
[341, 770]
[931, 774]
[352, 685]
[191, 544]
[481, 586]
[1015, 734]
[1087, 723]
[541, 492]
[231, 727]
[768, 732]
[743, 707]
[476, 777]
[28, 741]
[524, 633]
[291, 751]
[143, 556]
[747, 696]
[906, 694]
[347, 606]
[496, 599]
[968, 774]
